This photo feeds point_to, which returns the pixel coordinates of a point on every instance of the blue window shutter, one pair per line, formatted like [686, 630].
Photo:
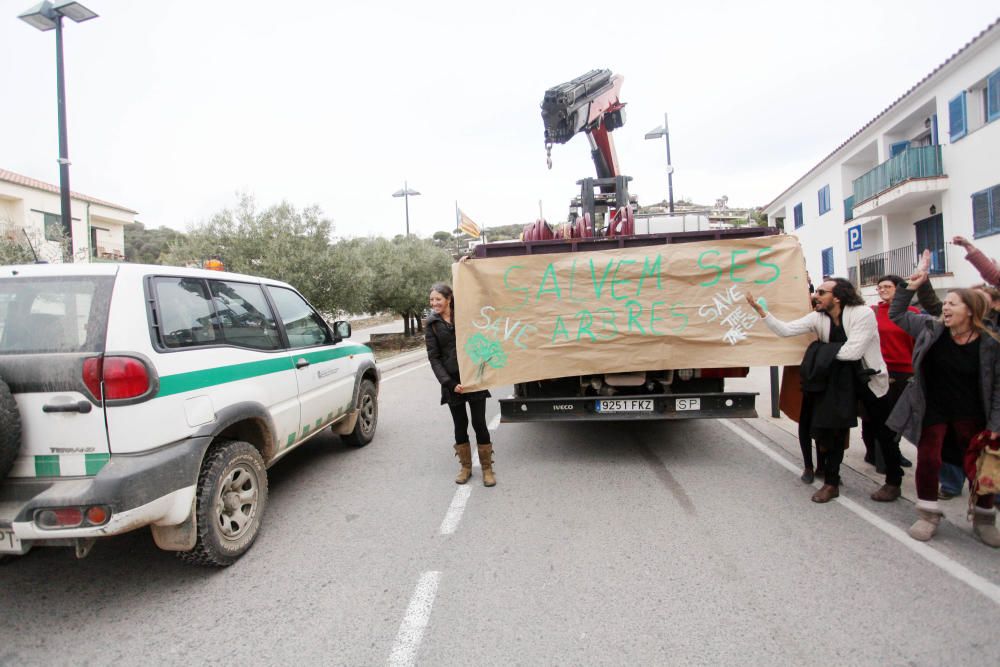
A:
[995, 208]
[828, 261]
[957, 125]
[797, 213]
[898, 147]
[934, 130]
[981, 213]
[993, 96]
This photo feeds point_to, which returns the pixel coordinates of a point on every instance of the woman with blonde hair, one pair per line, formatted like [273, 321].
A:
[955, 391]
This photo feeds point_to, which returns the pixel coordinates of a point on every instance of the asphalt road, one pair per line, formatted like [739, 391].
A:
[607, 544]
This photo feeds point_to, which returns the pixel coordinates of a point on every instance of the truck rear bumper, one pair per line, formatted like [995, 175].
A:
[660, 406]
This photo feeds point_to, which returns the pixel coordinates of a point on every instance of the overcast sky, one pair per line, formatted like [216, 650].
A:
[176, 106]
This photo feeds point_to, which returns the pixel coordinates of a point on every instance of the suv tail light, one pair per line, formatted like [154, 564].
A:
[122, 377]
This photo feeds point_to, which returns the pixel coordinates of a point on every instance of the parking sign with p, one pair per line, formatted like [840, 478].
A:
[854, 238]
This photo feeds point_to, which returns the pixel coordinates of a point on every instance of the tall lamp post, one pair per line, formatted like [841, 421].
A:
[664, 131]
[47, 16]
[406, 193]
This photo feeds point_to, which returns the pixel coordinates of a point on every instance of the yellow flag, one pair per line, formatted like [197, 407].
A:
[466, 224]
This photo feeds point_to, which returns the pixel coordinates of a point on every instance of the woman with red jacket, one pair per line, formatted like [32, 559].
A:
[897, 351]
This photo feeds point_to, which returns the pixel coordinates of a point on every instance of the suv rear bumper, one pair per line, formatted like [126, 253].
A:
[155, 487]
[729, 405]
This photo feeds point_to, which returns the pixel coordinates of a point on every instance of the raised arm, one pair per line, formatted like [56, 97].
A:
[899, 310]
[986, 266]
[806, 324]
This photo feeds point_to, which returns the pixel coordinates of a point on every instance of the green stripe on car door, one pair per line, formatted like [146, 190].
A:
[181, 382]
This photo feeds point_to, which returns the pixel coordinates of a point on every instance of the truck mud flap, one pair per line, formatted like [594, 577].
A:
[630, 408]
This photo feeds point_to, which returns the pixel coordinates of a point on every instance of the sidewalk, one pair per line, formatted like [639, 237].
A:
[784, 432]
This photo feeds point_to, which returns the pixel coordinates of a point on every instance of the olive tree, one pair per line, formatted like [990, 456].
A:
[279, 242]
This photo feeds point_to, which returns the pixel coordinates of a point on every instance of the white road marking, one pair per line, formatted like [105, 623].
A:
[954, 568]
[454, 514]
[408, 370]
[418, 613]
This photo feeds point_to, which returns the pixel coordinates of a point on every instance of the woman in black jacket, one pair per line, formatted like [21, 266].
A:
[439, 332]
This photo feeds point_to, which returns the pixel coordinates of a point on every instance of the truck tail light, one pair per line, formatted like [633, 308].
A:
[119, 377]
[740, 372]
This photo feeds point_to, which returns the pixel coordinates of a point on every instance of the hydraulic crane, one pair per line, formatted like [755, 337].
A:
[589, 104]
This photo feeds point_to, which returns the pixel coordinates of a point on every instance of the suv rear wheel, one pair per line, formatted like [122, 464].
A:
[364, 428]
[10, 429]
[232, 494]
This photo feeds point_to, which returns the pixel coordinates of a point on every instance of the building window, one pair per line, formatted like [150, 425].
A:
[797, 213]
[828, 261]
[54, 228]
[986, 212]
[957, 121]
[824, 199]
[993, 96]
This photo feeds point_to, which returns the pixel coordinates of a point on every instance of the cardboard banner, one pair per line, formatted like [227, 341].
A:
[658, 307]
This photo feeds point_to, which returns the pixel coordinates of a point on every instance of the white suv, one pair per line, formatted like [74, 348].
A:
[135, 395]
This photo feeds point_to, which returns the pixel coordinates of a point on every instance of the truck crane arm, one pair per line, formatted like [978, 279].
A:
[587, 104]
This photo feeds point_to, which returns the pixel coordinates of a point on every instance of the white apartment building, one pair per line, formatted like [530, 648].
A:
[924, 170]
[30, 211]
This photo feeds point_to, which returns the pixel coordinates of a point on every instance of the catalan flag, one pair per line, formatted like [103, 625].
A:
[466, 224]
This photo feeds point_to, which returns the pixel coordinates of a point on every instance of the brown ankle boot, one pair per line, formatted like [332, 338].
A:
[486, 461]
[886, 494]
[464, 453]
[826, 493]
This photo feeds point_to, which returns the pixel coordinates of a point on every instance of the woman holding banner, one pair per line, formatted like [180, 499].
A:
[439, 332]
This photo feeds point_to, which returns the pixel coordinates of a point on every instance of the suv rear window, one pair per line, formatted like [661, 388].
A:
[54, 314]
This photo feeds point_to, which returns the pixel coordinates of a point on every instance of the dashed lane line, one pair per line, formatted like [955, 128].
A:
[953, 568]
[418, 613]
[454, 514]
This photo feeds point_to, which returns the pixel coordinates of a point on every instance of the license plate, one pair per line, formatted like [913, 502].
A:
[625, 405]
[687, 404]
[9, 542]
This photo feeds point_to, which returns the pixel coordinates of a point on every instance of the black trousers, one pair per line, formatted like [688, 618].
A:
[830, 449]
[877, 411]
[477, 408]
[805, 434]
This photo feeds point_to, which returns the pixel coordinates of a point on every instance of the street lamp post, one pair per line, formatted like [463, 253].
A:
[48, 16]
[664, 131]
[406, 193]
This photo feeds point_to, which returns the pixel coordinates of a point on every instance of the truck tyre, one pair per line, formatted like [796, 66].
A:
[231, 497]
[364, 428]
[10, 429]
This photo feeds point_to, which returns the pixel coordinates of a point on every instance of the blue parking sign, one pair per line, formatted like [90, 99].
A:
[854, 238]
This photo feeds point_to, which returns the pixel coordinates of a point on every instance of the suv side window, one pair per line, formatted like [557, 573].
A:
[305, 328]
[185, 311]
[244, 315]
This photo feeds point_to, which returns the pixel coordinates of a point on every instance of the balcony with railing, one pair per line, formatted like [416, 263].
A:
[899, 261]
[913, 175]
